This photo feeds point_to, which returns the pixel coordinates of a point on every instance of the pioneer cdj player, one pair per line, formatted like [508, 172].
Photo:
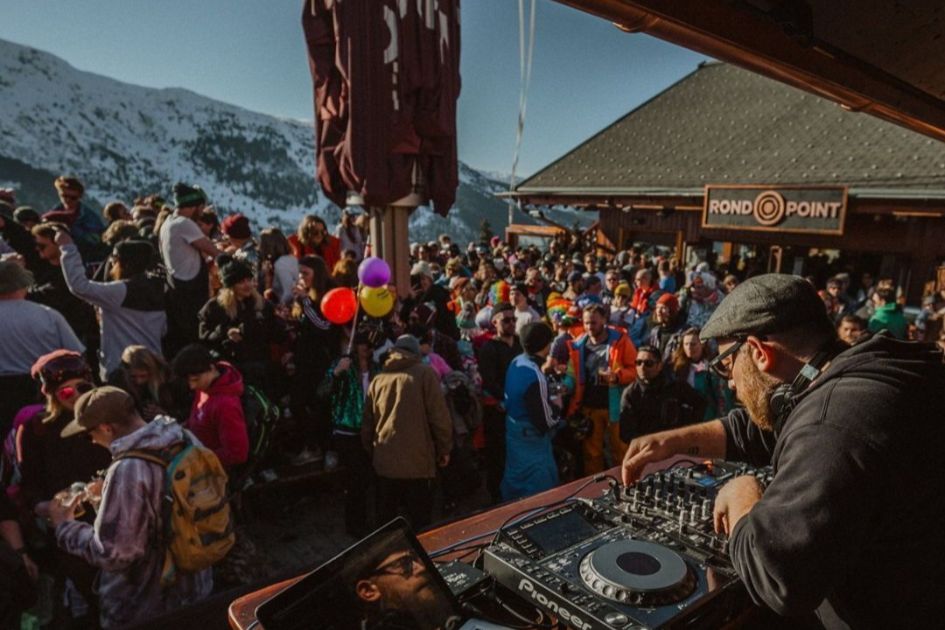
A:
[643, 556]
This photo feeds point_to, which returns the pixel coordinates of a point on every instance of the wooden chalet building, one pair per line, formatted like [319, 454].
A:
[727, 163]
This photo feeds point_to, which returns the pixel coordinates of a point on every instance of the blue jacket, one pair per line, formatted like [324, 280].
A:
[531, 419]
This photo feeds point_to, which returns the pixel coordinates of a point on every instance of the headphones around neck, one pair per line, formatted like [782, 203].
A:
[784, 397]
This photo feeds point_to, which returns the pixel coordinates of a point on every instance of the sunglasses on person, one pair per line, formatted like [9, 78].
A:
[720, 365]
[646, 362]
[68, 392]
[507, 320]
[402, 566]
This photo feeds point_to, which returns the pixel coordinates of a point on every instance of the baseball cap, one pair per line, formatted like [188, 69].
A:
[94, 407]
[765, 304]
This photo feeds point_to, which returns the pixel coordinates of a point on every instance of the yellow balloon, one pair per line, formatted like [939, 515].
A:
[376, 301]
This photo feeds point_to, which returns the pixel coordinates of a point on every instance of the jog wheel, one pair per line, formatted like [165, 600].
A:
[638, 573]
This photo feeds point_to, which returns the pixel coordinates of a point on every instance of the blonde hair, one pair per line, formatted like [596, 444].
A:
[140, 358]
[227, 299]
[54, 408]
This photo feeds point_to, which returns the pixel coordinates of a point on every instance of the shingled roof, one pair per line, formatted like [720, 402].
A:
[722, 124]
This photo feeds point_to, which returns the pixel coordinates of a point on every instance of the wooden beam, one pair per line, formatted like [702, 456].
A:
[719, 29]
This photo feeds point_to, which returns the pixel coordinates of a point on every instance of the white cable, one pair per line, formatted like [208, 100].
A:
[525, 70]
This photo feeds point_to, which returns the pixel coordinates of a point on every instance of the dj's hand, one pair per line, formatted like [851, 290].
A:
[735, 500]
[642, 451]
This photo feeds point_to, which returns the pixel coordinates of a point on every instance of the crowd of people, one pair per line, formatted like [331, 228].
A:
[506, 365]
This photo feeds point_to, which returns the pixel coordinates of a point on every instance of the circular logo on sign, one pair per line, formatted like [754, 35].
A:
[769, 208]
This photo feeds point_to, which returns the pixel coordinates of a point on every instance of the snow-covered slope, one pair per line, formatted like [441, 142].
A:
[125, 140]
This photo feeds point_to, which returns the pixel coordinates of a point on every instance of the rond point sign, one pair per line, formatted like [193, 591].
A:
[776, 208]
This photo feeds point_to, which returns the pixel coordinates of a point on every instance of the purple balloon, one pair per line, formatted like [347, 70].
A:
[373, 272]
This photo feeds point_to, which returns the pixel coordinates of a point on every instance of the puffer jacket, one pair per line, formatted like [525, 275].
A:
[217, 417]
[407, 424]
[621, 356]
[123, 543]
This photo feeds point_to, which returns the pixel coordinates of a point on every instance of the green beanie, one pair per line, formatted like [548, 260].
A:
[186, 195]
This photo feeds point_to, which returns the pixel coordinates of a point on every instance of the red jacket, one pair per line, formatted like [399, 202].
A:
[217, 420]
[330, 249]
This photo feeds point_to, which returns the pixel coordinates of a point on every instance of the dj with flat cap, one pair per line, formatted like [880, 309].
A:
[851, 526]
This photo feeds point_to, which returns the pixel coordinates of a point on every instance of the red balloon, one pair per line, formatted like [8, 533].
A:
[339, 305]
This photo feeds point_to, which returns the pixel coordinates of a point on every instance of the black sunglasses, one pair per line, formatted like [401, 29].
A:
[717, 364]
[646, 362]
[403, 566]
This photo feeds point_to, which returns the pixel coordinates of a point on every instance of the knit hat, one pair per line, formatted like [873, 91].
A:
[13, 277]
[232, 271]
[57, 367]
[26, 213]
[536, 336]
[236, 226]
[670, 301]
[186, 195]
[409, 344]
[134, 255]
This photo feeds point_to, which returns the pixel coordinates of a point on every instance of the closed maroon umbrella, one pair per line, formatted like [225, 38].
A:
[386, 82]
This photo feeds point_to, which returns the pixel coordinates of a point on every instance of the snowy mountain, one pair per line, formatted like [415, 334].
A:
[125, 140]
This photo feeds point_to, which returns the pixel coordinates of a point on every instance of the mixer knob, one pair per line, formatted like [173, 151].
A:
[656, 495]
[694, 514]
[706, 508]
[682, 519]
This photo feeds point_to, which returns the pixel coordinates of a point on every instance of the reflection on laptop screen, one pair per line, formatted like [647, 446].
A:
[383, 582]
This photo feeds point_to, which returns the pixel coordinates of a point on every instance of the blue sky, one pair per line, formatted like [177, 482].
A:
[586, 72]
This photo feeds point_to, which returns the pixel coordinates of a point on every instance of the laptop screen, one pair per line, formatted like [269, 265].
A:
[385, 580]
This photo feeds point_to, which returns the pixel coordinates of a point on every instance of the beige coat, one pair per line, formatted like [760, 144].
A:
[407, 424]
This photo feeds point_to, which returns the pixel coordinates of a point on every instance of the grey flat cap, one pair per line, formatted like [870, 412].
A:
[770, 303]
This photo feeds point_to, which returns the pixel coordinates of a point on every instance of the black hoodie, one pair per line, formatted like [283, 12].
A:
[853, 524]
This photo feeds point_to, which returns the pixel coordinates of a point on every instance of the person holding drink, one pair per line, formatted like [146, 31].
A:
[600, 366]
